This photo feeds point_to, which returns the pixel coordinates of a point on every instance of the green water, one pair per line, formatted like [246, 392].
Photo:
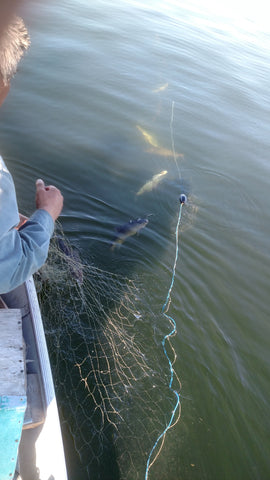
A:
[90, 78]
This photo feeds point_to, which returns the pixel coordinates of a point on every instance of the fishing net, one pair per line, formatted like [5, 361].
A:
[111, 377]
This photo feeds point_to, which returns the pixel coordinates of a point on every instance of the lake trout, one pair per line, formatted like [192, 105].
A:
[127, 230]
[161, 88]
[164, 152]
[155, 147]
[150, 139]
[153, 183]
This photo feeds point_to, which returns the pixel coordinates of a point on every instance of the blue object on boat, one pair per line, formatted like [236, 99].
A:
[12, 409]
[13, 399]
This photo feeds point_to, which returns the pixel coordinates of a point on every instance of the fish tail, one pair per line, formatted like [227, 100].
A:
[116, 243]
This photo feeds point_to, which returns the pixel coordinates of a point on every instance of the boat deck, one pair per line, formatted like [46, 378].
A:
[41, 455]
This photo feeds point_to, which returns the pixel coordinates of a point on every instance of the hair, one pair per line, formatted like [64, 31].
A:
[14, 41]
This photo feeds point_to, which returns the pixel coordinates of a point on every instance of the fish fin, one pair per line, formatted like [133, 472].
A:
[116, 243]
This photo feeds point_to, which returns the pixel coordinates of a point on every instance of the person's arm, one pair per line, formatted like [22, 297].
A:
[23, 251]
[23, 219]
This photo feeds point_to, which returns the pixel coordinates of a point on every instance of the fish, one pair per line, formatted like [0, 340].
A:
[127, 230]
[161, 88]
[153, 183]
[164, 152]
[73, 259]
[155, 147]
[150, 139]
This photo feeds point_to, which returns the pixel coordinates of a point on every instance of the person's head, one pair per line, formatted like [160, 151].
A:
[14, 40]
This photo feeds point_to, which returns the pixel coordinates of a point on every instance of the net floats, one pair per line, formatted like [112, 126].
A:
[183, 198]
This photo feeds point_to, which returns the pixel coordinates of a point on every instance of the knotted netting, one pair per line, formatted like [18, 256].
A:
[111, 377]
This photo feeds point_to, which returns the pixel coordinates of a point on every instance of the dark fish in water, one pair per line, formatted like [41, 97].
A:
[127, 230]
[73, 259]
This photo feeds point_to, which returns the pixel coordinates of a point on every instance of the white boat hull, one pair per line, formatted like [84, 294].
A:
[41, 449]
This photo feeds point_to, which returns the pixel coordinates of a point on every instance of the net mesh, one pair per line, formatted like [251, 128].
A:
[110, 375]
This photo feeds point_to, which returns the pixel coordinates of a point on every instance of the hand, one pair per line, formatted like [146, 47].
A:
[49, 199]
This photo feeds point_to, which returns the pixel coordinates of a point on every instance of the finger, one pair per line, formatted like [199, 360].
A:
[40, 184]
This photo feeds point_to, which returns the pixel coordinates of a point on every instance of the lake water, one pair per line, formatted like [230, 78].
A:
[194, 76]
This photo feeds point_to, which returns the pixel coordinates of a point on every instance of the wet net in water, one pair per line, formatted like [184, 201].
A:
[110, 375]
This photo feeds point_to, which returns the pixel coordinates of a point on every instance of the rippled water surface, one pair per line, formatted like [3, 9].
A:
[194, 77]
